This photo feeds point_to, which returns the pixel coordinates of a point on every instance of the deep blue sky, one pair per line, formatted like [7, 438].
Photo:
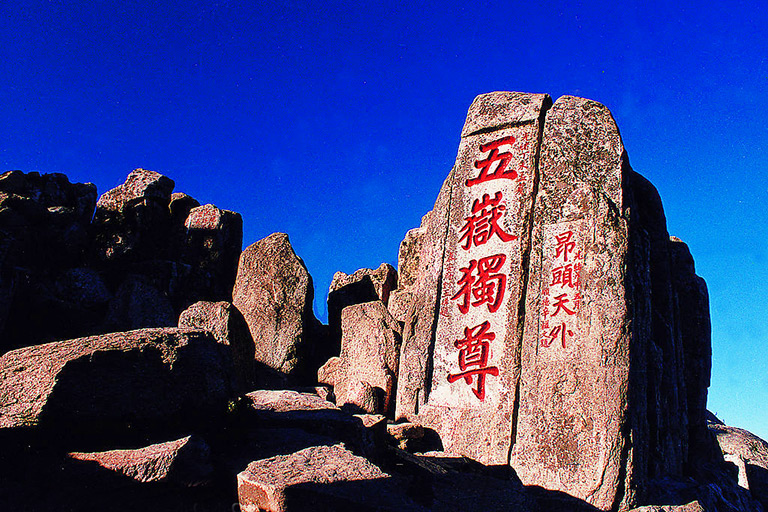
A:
[337, 122]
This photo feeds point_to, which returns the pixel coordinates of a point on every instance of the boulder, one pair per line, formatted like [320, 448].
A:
[228, 327]
[212, 247]
[693, 506]
[370, 351]
[133, 221]
[364, 285]
[274, 292]
[319, 478]
[459, 363]
[111, 388]
[185, 462]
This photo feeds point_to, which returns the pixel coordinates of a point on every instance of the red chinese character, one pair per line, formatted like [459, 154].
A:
[565, 245]
[564, 276]
[473, 353]
[557, 331]
[494, 156]
[486, 288]
[484, 223]
[562, 300]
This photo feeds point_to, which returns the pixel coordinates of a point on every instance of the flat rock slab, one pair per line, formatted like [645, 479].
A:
[319, 478]
[291, 409]
[185, 461]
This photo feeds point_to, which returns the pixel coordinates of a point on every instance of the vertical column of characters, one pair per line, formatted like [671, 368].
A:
[562, 284]
[482, 281]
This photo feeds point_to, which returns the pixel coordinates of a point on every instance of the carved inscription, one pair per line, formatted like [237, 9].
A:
[563, 264]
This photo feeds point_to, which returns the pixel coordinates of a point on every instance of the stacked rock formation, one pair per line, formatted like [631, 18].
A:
[543, 345]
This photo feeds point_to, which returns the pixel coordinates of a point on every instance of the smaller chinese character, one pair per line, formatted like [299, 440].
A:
[564, 276]
[565, 245]
[559, 331]
[562, 300]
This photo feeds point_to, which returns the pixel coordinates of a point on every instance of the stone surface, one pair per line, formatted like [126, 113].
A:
[274, 292]
[214, 240]
[137, 305]
[367, 366]
[469, 283]
[132, 221]
[571, 434]
[115, 386]
[228, 327]
[185, 462]
[364, 285]
[319, 478]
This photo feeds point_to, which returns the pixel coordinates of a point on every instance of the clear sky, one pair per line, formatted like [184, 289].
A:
[337, 122]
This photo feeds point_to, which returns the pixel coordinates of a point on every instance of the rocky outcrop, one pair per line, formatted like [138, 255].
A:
[138, 261]
[274, 292]
[364, 374]
[749, 454]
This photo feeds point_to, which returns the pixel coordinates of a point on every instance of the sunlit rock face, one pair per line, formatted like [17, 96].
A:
[544, 299]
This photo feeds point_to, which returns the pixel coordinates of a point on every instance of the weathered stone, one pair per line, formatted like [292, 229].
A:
[749, 454]
[184, 462]
[492, 182]
[138, 305]
[274, 292]
[370, 347]
[571, 434]
[228, 326]
[365, 285]
[214, 240]
[180, 206]
[401, 431]
[115, 385]
[319, 478]
[132, 221]
[693, 304]
[408, 257]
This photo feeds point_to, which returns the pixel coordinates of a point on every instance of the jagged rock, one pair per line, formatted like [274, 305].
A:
[274, 292]
[370, 347]
[695, 330]
[115, 386]
[405, 434]
[214, 239]
[319, 478]
[138, 305]
[180, 206]
[364, 285]
[133, 221]
[749, 454]
[228, 326]
[184, 462]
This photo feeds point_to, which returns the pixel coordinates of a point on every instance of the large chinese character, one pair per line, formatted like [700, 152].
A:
[473, 357]
[501, 170]
[481, 226]
[564, 276]
[562, 300]
[486, 287]
[565, 245]
[558, 331]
